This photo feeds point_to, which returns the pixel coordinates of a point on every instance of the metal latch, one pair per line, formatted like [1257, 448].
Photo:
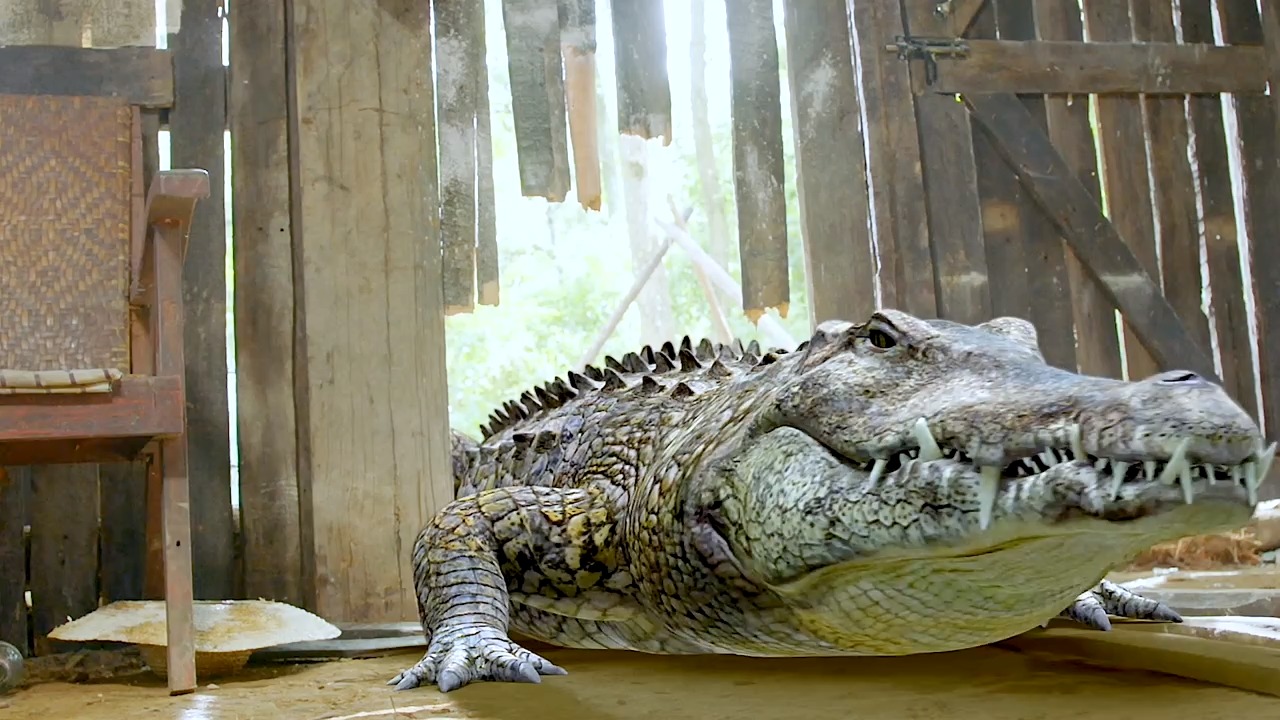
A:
[928, 49]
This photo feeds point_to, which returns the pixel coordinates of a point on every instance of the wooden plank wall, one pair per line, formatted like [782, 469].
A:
[371, 392]
[73, 534]
[1164, 204]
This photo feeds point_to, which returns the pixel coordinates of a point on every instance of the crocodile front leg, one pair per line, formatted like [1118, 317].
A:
[534, 541]
[1107, 598]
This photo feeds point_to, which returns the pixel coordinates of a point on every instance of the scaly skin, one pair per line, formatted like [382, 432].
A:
[894, 487]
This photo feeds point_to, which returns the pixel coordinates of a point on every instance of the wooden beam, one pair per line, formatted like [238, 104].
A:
[1063, 66]
[373, 399]
[1050, 181]
[266, 420]
[457, 80]
[142, 406]
[536, 70]
[578, 48]
[758, 174]
[835, 214]
[487, 275]
[640, 51]
[141, 75]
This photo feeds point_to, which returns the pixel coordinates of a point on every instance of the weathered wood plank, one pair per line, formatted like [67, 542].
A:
[1226, 281]
[758, 172]
[537, 96]
[487, 274]
[578, 48]
[1096, 242]
[640, 51]
[1004, 210]
[123, 539]
[64, 548]
[894, 165]
[457, 85]
[15, 487]
[1174, 185]
[264, 290]
[1108, 64]
[951, 188]
[1097, 343]
[1047, 279]
[830, 164]
[196, 141]
[372, 315]
[1127, 187]
[141, 75]
[1257, 119]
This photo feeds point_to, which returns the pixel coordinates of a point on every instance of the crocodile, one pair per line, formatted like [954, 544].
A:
[895, 485]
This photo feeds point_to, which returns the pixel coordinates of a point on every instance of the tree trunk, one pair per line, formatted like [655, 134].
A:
[657, 323]
[709, 183]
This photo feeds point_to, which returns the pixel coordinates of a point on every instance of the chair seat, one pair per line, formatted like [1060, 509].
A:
[111, 426]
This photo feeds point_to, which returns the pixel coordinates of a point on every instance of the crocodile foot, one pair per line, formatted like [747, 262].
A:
[457, 656]
[1107, 598]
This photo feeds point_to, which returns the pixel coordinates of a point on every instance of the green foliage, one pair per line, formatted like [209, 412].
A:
[564, 270]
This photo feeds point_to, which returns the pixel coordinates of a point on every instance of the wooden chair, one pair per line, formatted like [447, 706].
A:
[91, 344]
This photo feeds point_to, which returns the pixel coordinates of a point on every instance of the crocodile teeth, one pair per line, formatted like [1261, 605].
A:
[988, 487]
[1118, 471]
[929, 449]
[877, 470]
[1174, 467]
[1077, 447]
[1184, 479]
[1149, 470]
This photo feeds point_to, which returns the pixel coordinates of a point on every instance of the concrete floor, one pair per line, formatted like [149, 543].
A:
[987, 683]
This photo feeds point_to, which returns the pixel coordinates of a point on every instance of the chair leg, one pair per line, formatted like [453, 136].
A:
[178, 590]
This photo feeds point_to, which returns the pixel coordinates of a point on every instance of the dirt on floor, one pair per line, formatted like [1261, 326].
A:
[991, 683]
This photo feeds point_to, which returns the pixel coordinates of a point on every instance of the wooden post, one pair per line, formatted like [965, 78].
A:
[835, 216]
[259, 117]
[196, 127]
[372, 397]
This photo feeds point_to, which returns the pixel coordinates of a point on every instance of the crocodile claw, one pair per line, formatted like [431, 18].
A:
[1093, 607]
[459, 656]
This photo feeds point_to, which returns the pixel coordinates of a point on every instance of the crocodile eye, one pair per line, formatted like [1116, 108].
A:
[881, 339]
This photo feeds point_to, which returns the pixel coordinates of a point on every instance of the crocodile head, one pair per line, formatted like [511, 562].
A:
[901, 449]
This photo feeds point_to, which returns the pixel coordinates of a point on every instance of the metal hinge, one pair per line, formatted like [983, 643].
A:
[928, 49]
